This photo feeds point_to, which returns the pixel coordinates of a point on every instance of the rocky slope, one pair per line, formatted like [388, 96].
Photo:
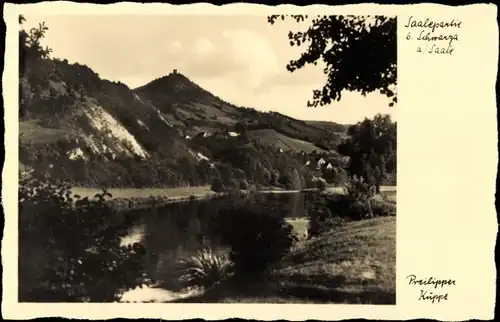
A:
[79, 128]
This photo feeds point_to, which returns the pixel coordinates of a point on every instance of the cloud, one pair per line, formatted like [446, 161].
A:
[240, 55]
[175, 46]
[204, 47]
[254, 54]
[309, 75]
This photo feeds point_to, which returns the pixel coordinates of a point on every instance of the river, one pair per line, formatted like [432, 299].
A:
[179, 230]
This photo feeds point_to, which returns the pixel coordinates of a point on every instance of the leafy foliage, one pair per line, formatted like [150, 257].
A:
[382, 208]
[359, 53]
[68, 248]
[257, 236]
[357, 189]
[30, 47]
[244, 185]
[217, 185]
[204, 269]
[320, 183]
[53, 94]
[371, 147]
[322, 219]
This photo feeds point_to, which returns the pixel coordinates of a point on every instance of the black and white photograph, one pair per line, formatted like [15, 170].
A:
[207, 158]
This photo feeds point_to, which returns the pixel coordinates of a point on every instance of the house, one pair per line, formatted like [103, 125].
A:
[329, 166]
[187, 137]
[307, 163]
[76, 154]
[203, 135]
[200, 157]
[320, 162]
[233, 134]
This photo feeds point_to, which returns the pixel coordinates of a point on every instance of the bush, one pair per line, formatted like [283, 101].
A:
[217, 185]
[68, 249]
[203, 269]
[322, 219]
[243, 185]
[357, 189]
[256, 238]
[233, 185]
[319, 183]
[359, 194]
[382, 208]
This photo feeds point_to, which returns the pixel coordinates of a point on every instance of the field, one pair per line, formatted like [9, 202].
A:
[286, 143]
[329, 126]
[355, 264]
[30, 131]
[388, 192]
[182, 192]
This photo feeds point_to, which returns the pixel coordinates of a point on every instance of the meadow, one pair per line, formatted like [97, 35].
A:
[181, 192]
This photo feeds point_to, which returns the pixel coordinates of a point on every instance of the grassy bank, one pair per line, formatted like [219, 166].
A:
[147, 192]
[355, 265]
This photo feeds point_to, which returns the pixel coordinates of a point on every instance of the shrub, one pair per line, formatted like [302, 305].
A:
[319, 183]
[203, 269]
[243, 185]
[359, 194]
[256, 238]
[233, 185]
[357, 189]
[217, 185]
[68, 249]
[382, 208]
[322, 219]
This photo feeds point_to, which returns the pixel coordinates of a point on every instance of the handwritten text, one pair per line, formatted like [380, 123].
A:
[433, 283]
[434, 37]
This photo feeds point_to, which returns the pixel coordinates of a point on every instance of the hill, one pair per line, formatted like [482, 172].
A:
[78, 128]
[283, 142]
[195, 110]
[329, 126]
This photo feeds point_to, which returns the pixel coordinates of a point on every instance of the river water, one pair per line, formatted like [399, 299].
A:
[179, 230]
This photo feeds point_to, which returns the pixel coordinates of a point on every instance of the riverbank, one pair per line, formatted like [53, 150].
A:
[150, 197]
[180, 192]
[354, 265]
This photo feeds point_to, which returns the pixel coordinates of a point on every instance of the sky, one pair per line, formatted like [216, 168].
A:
[241, 59]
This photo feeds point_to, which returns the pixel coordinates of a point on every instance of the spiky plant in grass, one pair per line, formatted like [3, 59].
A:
[203, 269]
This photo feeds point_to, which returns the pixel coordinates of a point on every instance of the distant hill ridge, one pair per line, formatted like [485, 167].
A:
[77, 127]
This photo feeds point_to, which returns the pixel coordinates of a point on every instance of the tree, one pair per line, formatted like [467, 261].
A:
[30, 46]
[359, 54]
[296, 180]
[242, 128]
[217, 185]
[371, 148]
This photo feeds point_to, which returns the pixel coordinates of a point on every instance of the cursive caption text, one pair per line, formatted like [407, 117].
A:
[434, 37]
[431, 289]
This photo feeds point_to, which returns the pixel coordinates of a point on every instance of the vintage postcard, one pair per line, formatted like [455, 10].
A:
[284, 162]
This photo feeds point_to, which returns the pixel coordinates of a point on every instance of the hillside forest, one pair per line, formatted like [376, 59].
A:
[79, 129]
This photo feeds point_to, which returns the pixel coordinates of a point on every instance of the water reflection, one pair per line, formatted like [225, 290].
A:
[179, 230]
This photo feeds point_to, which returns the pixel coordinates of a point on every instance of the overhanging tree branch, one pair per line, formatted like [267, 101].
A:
[359, 53]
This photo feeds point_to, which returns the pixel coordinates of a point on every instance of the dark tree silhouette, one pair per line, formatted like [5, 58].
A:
[359, 54]
[30, 42]
[371, 148]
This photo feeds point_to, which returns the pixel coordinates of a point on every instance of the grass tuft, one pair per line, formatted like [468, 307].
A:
[204, 269]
